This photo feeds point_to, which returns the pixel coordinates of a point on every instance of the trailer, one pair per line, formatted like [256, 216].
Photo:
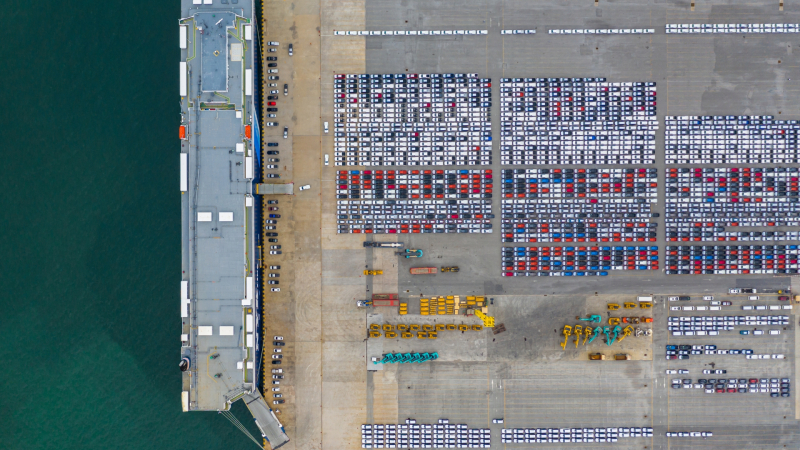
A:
[422, 270]
[385, 300]
[384, 244]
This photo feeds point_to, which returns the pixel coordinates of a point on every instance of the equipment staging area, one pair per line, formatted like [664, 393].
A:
[526, 368]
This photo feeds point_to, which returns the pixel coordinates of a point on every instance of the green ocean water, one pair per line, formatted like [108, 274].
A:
[89, 257]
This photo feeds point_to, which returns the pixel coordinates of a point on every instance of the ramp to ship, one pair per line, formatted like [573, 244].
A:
[275, 189]
[266, 421]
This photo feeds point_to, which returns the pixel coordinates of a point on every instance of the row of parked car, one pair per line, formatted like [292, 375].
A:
[774, 387]
[576, 435]
[413, 435]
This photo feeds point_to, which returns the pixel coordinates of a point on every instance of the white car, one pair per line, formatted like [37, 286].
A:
[708, 298]
[304, 187]
[672, 299]
[734, 291]
[671, 372]
[276, 389]
[683, 371]
[273, 43]
[276, 350]
[275, 289]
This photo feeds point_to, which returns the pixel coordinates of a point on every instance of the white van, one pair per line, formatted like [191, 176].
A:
[752, 297]
[773, 332]
[326, 159]
[326, 127]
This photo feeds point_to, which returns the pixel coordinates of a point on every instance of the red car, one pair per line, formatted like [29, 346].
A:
[271, 103]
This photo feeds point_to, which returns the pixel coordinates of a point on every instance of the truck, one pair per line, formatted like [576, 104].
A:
[622, 357]
[596, 356]
[411, 253]
[644, 299]
[384, 244]
[422, 270]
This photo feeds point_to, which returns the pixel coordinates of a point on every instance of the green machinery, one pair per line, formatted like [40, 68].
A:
[407, 358]
[593, 318]
[611, 340]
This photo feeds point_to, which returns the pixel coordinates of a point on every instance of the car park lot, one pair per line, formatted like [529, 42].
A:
[710, 204]
[578, 205]
[412, 119]
[732, 366]
[577, 121]
[731, 139]
[522, 384]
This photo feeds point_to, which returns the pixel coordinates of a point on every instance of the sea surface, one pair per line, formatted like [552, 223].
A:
[90, 245]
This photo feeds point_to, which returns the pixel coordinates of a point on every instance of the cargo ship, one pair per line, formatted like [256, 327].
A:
[219, 150]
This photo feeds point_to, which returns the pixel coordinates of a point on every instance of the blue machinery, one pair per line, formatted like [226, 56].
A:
[407, 358]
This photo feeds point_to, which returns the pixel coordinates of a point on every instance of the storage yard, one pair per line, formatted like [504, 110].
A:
[508, 228]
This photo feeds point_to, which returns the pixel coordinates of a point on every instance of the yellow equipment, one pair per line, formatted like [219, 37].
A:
[477, 328]
[645, 305]
[374, 334]
[406, 335]
[613, 320]
[402, 327]
[440, 327]
[613, 306]
[373, 272]
[403, 308]
[450, 327]
[422, 335]
[488, 321]
[567, 332]
[374, 327]
[432, 335]
[391, 335]
[387, 327]
[587, 333]
[413, 327]
[625, 333]
[427, 327]
[630, 305]
[578, 330]
[463, 328]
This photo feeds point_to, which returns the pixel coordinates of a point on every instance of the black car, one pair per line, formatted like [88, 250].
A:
[273, 152]
[683, 356]
[272, 202]
[272, 144]
[276, 361]
[272, 234]
[273, 175]
[272, 240]
[272, 65]
[272, 58]
[272, 109]
[272, 97]
[278, 343]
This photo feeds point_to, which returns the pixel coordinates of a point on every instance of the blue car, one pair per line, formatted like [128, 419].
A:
[672, 347]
